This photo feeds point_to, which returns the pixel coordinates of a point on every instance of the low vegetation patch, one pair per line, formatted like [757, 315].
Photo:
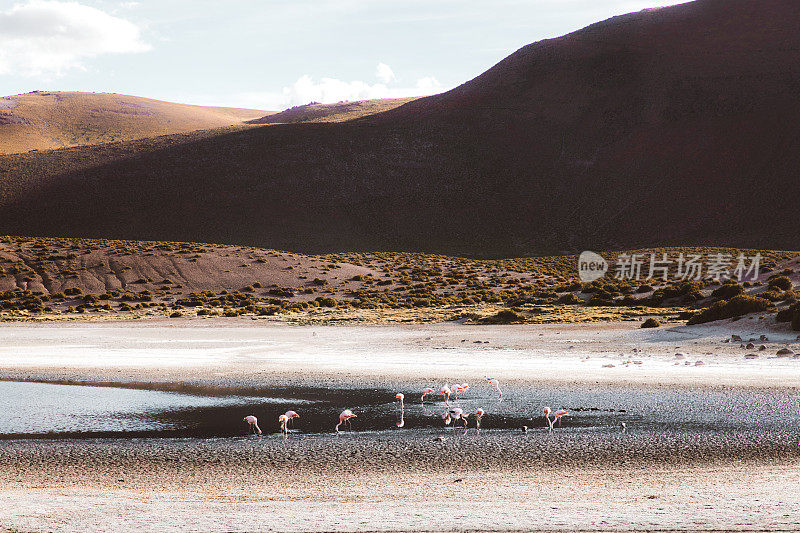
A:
[735, 307]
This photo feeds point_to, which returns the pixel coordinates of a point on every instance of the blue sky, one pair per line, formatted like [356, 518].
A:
[271, 54]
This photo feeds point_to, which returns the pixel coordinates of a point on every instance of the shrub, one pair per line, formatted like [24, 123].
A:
[506, 316]
[284, 292]
[735, 307]
[320, 281]
[176, 314]
[651, 323]
[569, 299]
[73, 291]
[781, 282]
[727, 291]
[785, 315]
[328, 301]
[645, 288]
[773, 295]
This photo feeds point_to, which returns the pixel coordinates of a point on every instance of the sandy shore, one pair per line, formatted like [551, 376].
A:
[235, 352]
[659, 479]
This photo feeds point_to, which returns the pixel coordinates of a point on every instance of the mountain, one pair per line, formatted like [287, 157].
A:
[338, 112]
[673, 126]
[43, 120]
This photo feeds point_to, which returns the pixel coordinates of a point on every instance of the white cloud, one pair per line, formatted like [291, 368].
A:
[46, 37]
[429, 85]
[384, 73]
[306, 89]
[331, 90]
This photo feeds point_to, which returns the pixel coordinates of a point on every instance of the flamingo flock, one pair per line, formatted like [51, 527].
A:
[450, 415]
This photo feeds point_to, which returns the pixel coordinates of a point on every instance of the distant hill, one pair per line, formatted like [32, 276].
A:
[44, 120]
[674, 126]
[338, 112]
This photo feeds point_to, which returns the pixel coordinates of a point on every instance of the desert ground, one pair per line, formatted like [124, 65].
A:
[707, 446]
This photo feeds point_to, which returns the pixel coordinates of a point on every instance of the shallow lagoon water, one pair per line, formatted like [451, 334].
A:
[31, 410]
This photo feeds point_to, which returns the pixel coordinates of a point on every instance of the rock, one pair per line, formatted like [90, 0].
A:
[736, 338]
[762, 348]
[763, 338]
[699, 363]
[680, 356]
[785, 352]
[750, 346]
[751, 356]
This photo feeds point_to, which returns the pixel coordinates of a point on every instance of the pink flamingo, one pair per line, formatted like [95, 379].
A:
[283, 420]
[289, 416]
[425, 392]
[445, 392]
[496, 384]
[546, 411]
[253, 421]
[459, 389]
[558, 414]
[478, 415]
[401, 422]
[345, 416]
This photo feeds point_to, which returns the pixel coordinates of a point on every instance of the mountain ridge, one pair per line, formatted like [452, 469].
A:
[665, 127]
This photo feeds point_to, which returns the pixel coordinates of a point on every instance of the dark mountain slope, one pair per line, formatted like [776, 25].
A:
[672, 126]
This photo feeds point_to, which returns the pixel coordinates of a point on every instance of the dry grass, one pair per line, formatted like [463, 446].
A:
[50, 120]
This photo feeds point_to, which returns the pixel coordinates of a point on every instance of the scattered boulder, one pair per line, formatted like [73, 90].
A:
[785, 352]
[750, 346]
[762, 348]
[699, 363]
[751, 356]
[651, 323]
[736, 338]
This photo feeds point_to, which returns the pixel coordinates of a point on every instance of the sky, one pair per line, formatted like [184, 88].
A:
[274, 54]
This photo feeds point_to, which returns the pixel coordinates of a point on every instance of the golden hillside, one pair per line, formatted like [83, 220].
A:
[338, 112]
[46, 120]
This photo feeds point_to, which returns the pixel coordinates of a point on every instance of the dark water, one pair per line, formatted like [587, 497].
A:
[39, 410]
